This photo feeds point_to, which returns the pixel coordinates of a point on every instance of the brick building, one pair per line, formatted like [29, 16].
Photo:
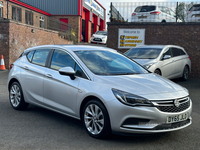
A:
[85, 16]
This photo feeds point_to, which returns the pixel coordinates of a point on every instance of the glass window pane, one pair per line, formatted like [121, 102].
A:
[30, 55]
[61, 59]
[109, 63]
[40, 57]
[79, 72]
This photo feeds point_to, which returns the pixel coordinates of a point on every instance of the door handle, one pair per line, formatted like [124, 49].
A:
[48, 75]
[26, 68]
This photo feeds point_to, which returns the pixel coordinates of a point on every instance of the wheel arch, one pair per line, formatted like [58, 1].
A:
[159, 70]
[86, 100]
[11, 81]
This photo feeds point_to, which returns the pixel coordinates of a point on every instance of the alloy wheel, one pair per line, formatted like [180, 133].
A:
[15, 95]
[94, 119]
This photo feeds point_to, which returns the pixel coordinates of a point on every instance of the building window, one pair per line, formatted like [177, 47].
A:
[29, 17]
[16, 14]
[41, 21]
[1, 10]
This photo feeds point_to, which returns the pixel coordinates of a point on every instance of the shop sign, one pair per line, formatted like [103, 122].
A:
[95, 6]
[129, 38]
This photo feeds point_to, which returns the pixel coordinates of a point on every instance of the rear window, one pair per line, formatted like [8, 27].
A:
[195, 8]
[145, 8]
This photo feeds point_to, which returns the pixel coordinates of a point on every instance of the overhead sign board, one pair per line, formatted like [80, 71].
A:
[95, 6]
[129, 38]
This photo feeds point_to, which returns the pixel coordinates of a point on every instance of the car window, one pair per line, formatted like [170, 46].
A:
[177, 52]
[109, 63]
[167, 52]
[30, 55]
[195, 8]
[40, 57]
[61, 59]
[79, 72]
[143, 53]
[101, 32]
[172, 13]
[145, 8]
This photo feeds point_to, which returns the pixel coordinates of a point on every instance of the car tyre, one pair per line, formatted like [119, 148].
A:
[96, 119]
[157, 71]
[16, 97]
[185, 73]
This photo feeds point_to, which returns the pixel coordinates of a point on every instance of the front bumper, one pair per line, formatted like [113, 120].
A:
[145, 120]
[102, 41]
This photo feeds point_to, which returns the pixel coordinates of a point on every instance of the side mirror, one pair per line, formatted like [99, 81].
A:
[67, 71]
[166, 57]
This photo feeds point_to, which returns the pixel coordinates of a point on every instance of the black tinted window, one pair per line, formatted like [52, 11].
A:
[195, 8]
[40, 57]
[61, 59]
[177, 52]
[143, 53]
[30, 55]
[168, 52]
[79, 72]
[145, 8]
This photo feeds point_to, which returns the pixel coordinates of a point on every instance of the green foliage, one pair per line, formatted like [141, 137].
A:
[181, 10]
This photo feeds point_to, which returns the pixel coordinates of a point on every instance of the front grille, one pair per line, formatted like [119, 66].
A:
[169, 106]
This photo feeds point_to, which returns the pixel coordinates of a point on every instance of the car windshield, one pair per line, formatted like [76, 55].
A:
[101, 32]
[195, 8]
[109, 63]
[143, 53]
[145, 8]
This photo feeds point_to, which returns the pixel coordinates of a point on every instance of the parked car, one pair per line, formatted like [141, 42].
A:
[153, 13]
[99, 37]
[169, 61]
[193, 15]
[105, 89]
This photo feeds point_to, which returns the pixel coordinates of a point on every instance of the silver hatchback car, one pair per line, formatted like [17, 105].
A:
[106, 90]
[169, 61]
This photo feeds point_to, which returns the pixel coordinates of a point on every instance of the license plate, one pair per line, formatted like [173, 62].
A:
[141, 17]
[97, 39]
[197, 15]
[177, 118]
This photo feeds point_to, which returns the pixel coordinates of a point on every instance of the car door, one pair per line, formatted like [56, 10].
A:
[33, 73]
[178, 61]
[167, 67]
[60, 91]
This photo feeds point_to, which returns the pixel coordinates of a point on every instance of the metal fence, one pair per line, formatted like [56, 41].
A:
[155, 11]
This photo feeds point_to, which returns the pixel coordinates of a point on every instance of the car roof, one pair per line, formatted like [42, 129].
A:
[71, 47]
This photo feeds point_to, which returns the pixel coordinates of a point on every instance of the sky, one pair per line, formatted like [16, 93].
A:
[106, 3]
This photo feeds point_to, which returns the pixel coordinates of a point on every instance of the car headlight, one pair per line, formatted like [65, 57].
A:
[103, 38]
[147, 66]
[131, 99]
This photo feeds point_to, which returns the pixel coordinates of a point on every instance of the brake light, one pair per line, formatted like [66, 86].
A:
[155, 13]
[11, 66]
[189, 12]
[189, 57]
[133, 14]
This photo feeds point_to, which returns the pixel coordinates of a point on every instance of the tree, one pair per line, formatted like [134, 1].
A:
[182, 9]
